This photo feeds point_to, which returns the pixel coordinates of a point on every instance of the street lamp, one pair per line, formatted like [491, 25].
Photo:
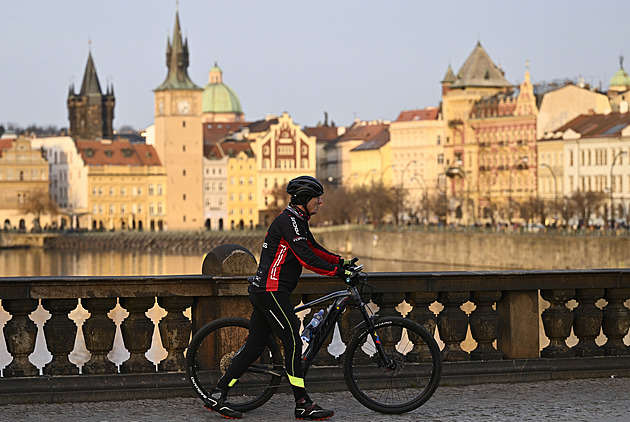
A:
[555, 187]
[367, 173]
[612, 211]
[402, 192]
[419, 179]
[524, 160]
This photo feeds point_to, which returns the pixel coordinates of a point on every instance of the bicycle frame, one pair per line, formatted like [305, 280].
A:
[327, 325]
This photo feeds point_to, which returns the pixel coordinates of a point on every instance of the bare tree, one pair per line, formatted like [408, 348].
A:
[586, 203]
[39, 202]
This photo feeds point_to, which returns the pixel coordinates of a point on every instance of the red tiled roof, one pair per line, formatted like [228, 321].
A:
[597, 125]
[5, 144]
[322, 133]
[232, 148]
[213, 132]
[117, 153]
[429, 113]
[363, 132]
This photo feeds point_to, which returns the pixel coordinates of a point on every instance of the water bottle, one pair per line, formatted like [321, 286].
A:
[307, 334]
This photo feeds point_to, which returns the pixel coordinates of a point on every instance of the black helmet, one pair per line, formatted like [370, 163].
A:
[303, 188]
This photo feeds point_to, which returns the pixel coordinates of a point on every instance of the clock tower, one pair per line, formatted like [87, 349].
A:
[179, 137]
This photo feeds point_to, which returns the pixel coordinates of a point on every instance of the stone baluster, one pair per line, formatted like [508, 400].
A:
[175, 331]
[421, 312]
[137, 332]
[557, 321]
[453, 325]
[61, 333]
[425, 317]
[587, 322]
[387, 303]
[99, 331]
[20, 333]
[349, 320]
[485, 325]
[616, 321]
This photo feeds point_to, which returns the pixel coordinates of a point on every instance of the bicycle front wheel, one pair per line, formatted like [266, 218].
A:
[210, 353]
[409, 381]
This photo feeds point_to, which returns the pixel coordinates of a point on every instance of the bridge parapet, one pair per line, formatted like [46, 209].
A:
[491, 318]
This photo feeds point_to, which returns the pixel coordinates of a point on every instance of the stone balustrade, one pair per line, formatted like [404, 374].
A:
[492, 318]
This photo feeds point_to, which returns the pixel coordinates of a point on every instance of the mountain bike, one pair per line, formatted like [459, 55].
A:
[390, 365]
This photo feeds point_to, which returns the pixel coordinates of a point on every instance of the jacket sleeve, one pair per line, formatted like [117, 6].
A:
[296, 235]
[321, 252]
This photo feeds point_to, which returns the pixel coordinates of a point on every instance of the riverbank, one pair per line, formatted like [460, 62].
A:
[466, 250]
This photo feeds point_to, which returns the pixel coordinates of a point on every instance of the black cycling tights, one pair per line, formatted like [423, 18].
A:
[272, 312]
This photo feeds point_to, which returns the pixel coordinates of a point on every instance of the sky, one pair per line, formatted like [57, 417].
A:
[353, 59]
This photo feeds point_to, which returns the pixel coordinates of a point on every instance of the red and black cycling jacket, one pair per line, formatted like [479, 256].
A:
[289, 246]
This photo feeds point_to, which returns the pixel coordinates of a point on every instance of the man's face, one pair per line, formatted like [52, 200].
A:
[313, 205]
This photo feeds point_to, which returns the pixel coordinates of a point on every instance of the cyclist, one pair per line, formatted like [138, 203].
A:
[288, 246]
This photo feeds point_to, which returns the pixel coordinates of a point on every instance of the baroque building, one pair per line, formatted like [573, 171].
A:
[126, 186]
[23, 180]
[179, 137]
[91, 113]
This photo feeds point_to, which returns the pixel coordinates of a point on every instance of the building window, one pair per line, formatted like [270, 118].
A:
[111, 208]
[111, 191]
[159, 189]
[123, 209]
[159, 207]
[183, 197]
[151, 189]
[440, 159]
[123, 191]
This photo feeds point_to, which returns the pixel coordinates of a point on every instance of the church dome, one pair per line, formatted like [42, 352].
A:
[621, 78]
[218, 97]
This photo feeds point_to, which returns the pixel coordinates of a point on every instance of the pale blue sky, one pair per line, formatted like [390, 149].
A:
[365, 59]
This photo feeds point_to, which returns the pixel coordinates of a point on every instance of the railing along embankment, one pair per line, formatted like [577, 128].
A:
[103, 338]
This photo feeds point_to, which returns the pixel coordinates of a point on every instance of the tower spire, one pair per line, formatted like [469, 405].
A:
[177, 61]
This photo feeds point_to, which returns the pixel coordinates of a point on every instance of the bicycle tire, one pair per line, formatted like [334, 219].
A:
[210, 352]
[402, 389]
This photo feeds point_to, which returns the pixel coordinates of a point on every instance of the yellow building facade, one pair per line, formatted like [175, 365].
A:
[23, 175]
[126, 186]
[242, 201]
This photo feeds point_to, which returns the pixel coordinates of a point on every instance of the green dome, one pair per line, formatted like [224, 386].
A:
[621, 78]
[218, 97]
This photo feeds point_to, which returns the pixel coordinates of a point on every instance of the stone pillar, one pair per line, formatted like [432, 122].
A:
[616, 321]
[587, 322]
[520, 324]
[453, 325]
[99, 331]
[175, 331]
[557, 320]
[137, 332]
[485, 325]
[224, 260]
[20, 333]
[60, 332]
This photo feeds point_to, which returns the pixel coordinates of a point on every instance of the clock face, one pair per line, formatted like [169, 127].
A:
[183, 107]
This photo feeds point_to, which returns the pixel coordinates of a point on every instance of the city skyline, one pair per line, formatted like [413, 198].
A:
[351, 60]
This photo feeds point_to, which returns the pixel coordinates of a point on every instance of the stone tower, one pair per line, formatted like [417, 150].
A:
[179, 137]
[91, 113]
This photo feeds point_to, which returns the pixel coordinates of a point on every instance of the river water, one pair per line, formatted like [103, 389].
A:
[40, 262]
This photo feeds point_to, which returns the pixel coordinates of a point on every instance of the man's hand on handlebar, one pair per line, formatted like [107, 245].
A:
[347, 264]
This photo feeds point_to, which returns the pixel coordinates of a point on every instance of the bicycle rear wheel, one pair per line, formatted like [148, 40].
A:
[414, 376]
[210, 353]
